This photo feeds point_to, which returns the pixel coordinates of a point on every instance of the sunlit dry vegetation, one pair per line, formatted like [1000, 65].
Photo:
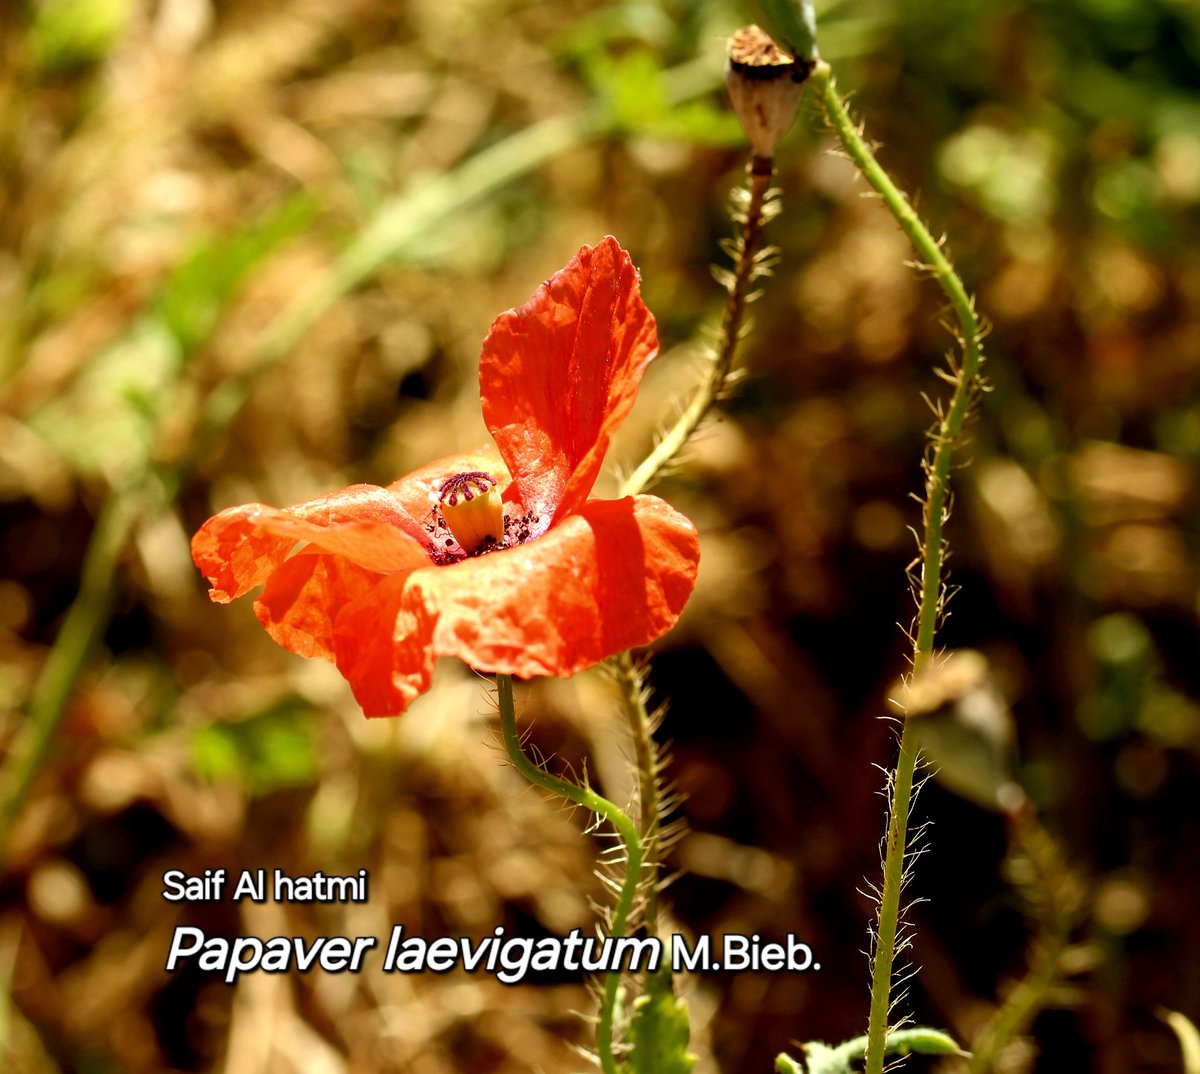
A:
[248, 252]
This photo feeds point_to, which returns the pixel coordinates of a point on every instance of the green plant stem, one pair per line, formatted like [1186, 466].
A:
[929, 587]
[82, 627]
[602, 807]
[650, 469]
[1021, 1005]
[645, 750]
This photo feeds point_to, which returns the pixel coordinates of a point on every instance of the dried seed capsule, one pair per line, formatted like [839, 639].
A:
[765, 84]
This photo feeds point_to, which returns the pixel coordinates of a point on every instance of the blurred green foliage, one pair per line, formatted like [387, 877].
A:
[261, 752]
[72, 33]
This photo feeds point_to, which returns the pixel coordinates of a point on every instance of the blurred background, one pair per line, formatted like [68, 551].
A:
[248, 251]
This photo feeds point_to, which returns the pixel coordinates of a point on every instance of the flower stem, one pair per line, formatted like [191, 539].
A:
[650, 805]
[927, 584]
[615, 816]
[760, 171]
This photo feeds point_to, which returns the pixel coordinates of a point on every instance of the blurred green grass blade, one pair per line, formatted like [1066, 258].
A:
[106, 425]
[399, 225]
[200, 287]
[80, 632]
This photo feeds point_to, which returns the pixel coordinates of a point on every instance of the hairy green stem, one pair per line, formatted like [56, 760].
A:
[650, 469]
[641, 730]
[928, 584]
[614, 815]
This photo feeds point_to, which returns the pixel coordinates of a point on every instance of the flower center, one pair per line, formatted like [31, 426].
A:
[471, 508]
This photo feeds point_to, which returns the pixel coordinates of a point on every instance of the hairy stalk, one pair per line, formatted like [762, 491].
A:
[745, 268]
[602, 807]
[928, 583]
[752, 210]
[650, 800]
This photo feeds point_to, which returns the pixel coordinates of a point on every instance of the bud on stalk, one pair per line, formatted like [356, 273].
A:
[765, 84]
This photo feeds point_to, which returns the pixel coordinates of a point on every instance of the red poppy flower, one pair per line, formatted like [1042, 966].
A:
[497, 556]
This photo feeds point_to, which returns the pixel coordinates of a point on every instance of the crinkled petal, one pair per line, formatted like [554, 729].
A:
[384, 647]
[239, 548]
[611, 577]
[303, 597]
[559, 375]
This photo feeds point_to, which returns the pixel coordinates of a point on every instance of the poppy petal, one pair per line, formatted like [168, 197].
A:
[613, 576]
[239, 548]
[384, 647]
[302, 597]
[559, 375]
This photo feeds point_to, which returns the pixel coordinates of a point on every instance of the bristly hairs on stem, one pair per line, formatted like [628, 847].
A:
[926, 573]
[752, 207]
[655, 800]
[630, 848]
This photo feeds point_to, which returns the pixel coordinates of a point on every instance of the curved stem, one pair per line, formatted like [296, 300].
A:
[615, 816]
[928, 584]
[760, 169]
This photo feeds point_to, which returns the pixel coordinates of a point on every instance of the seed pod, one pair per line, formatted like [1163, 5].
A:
[765, 84]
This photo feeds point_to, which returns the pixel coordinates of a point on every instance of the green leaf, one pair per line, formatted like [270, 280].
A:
[660, 1031]
[923, 1040]
[635, 88]
[822, 1059]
